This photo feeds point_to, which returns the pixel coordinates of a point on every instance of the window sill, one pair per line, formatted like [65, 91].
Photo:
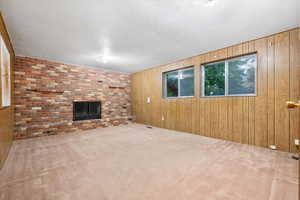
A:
[5, 107]
[224, 96]
[187, 97]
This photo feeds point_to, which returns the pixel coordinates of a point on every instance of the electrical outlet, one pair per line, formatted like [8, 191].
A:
[296, 142]
[273, 147]
[148, 100]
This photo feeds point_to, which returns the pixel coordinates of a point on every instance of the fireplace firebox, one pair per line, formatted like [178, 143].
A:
[86, 110]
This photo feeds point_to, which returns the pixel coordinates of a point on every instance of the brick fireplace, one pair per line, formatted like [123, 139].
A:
[45, 92]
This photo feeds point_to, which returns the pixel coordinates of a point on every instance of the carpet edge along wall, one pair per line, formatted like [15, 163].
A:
[260, 120]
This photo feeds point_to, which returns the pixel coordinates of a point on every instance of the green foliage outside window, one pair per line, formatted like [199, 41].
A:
[215, 79]
[240, 78]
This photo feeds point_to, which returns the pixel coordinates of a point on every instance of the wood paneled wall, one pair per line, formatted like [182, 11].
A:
[6, 113]
[262, 120]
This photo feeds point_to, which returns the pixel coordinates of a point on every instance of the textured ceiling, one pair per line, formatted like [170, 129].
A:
[132, 35]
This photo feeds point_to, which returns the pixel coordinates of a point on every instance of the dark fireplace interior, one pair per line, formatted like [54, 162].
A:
[86, 110]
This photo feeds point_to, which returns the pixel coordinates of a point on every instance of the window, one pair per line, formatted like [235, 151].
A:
[179, 83]
[215, 79]
[234, 77]
[5, 77]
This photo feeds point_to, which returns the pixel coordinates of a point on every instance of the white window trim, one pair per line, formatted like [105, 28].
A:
[226, 79]
[165, 83]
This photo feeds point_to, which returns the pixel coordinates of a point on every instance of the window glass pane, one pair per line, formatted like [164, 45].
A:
[187, 82]
[241, 75]
[214, 80]
[171, 84]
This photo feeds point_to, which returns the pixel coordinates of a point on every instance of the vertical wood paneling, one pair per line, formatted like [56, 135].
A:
[147, 82]
[140, 104]
[261, 106]
[294, 86]
[282, 90]
[195, 117]
[251, 126]
[213, 116]
[164, 110]
[223, 118]
[271, 91]
[207, 117]
[170, 110]
[245, 132]
[237, 119]
[156, 98]
[261, 120]
[188, 110]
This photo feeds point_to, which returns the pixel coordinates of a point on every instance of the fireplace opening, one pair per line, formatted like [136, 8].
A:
[85, 110]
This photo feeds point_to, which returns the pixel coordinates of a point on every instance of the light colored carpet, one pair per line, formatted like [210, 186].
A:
[133, 162]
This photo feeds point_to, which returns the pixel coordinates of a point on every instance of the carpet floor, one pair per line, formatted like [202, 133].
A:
[132, 162]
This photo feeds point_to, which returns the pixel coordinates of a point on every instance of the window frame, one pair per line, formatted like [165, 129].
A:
[202, 92]
[165, 82]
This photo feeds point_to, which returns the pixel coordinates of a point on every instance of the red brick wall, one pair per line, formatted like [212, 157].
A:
[45, 91]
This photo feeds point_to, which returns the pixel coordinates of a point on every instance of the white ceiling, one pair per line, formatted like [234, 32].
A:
[138, 34]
